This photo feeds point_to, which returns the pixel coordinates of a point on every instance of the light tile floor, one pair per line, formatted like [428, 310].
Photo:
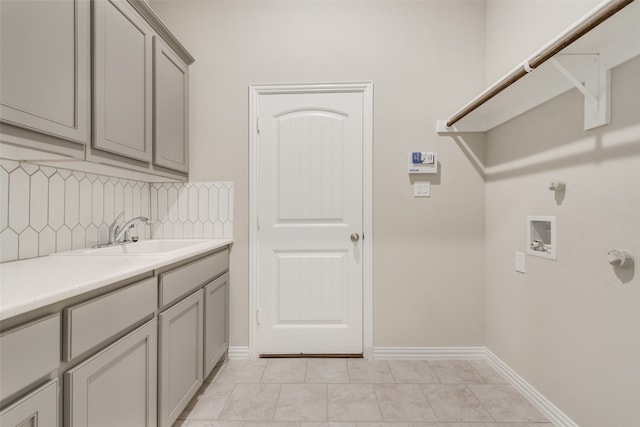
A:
[358, 393]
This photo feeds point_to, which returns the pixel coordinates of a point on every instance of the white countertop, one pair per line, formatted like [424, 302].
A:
[34, 283]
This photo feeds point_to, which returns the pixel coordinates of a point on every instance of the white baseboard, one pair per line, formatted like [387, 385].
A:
[428, 353]
[238, 352]
[552, 412]
[555, 415]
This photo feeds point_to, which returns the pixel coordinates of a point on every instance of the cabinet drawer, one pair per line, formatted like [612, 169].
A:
[39, 408]
[28, 353]
[183, 280]
[90, 323]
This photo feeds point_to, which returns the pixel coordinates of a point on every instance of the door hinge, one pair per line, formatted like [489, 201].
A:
[257, 317]
[258, 222]
[258, 125]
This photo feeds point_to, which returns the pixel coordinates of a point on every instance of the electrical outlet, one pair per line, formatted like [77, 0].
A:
[520, 262]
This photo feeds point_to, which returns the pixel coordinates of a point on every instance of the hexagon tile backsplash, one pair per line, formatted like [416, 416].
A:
[45, 209]
[192, 210]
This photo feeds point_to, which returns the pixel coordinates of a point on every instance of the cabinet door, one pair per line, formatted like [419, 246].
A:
[171, 109]
[116, 387]
[44, 66]
[122, 80]
[28, 353]
[216, 322]
[180, 356]
[38, 409]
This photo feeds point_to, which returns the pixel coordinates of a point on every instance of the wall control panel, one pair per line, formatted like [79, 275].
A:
[423, 162]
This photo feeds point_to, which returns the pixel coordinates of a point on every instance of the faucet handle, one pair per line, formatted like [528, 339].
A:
[114, 228]
[115, 221]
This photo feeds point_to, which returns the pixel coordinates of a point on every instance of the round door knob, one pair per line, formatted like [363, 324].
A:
[355, 237]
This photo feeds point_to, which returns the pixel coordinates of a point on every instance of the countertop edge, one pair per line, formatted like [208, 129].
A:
[132, 266]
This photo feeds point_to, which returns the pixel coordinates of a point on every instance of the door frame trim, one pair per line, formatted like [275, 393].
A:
[366, 88]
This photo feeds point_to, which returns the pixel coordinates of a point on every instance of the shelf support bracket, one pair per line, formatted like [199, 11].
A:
[595, 89]
[567, 74]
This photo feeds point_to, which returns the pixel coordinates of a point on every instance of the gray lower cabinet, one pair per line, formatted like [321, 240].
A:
[122, 55]
[91, 324]
[180, 359]
[133, 356]
[44, 67]
[117, 386]
[216, 328]
[37, 409]
[28, 354]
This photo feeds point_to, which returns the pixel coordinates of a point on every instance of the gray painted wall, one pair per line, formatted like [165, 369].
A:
[569, 327]
[428, 253]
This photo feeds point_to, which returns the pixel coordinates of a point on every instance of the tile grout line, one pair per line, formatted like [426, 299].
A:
[375, 393]
[373, 385]
[226, 403]
[273, 414]
[428, 401]
[481, 403]
[476, 396]
[326, 415]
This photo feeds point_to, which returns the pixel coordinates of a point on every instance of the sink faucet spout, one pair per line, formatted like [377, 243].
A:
[120, 232]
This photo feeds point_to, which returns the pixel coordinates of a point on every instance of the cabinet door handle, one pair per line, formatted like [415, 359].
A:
[355, 237]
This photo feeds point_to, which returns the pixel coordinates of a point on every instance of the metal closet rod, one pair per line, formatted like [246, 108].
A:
[596, 18]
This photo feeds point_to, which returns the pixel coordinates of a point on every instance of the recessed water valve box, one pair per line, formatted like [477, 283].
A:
[423, 162]
[541, 236]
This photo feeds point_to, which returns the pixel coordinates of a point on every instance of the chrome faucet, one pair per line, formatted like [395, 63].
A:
[113, 229]
[117, 232]
[127, 225]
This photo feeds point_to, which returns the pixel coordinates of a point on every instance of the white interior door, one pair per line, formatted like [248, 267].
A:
[310, 216]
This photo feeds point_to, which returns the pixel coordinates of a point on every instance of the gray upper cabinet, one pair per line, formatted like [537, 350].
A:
[103, 81]
[45, 67]
[170, 107]
[122, 85]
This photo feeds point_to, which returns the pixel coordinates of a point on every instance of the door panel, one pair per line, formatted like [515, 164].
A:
[311, 288]
[310, 153]
[310, 186]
